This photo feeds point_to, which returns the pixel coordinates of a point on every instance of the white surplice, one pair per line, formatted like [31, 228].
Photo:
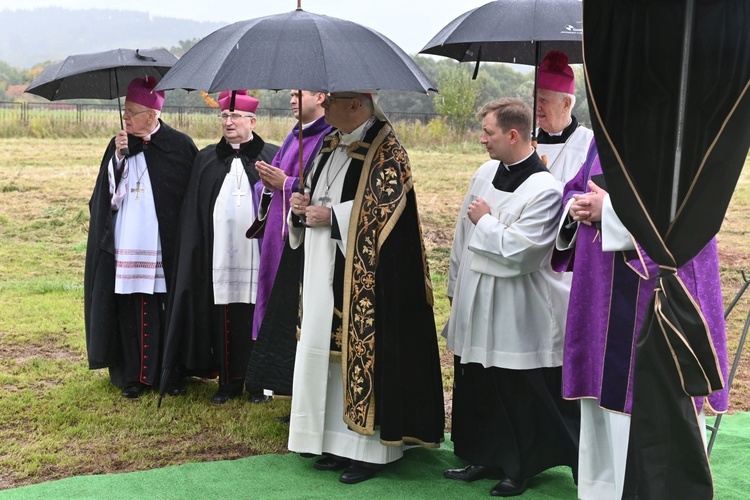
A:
[235, 257]
[509, 308]
[138, 258]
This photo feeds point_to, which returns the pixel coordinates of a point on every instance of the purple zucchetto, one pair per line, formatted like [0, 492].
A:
[242, 101]
[141, 91]
[555, 73]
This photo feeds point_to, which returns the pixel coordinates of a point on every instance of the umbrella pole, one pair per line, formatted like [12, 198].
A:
[301, 155]
[124, 151]
[533, 110]
[681, 101]
[119, 106]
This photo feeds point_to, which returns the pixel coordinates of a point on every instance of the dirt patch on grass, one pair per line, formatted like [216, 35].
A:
[23, 353]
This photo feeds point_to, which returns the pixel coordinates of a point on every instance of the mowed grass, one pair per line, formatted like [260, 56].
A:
[59, 419]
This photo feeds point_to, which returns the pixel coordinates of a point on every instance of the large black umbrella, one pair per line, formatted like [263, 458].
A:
[100, 75]
[296, 50]
[512, 31]
[668, 83]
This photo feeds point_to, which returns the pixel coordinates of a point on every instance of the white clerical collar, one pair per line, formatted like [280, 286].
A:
[306, 125]
[357, 133]
[237, 146]
[508, 165]
[558, 134]
[156, 129]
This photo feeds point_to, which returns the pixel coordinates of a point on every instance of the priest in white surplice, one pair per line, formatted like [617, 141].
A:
[209, 331]
[367, 371]
[508, 315]
[132, 237]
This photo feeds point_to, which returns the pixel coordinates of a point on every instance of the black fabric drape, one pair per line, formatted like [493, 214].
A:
[633, 59]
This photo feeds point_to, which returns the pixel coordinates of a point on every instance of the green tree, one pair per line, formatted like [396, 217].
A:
[458, 96]
[184, 46]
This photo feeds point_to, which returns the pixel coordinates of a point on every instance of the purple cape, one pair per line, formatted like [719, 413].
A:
[275, 232]
[609, 297]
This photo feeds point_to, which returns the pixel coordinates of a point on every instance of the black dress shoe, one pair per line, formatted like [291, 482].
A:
[259, 398]
[332, 462]
[284, 420]
[176, 390]
[355, 473]
[133, 391]
[226, 392]
[473, 472]
[509, 488]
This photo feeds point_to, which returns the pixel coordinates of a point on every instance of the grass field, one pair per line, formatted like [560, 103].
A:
[59, 419]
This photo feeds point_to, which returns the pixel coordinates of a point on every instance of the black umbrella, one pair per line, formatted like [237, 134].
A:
[100, 75]
[512, 31]
[296, 50]
[668, 85]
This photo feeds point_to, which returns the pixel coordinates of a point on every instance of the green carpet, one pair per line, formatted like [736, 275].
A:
[417, 475]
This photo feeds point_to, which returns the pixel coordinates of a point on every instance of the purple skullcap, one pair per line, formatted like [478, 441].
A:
[141, 91]
[555, 73]
[242, 101]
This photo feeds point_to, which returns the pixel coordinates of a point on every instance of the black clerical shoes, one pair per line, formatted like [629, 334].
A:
[473, 472]
[331, 462]
[356, 472]
[509, 488]
[259, 398]
[225, 393]
[133, 391]
[176, 390]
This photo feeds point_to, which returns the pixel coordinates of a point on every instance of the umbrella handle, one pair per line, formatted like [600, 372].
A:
[124, 151]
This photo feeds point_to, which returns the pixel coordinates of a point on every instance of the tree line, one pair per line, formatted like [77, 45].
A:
[459, 98]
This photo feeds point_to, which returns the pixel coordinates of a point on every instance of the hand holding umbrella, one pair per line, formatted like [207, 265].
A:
[100, 75]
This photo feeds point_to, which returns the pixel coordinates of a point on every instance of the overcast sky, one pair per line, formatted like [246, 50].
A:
[409, 23]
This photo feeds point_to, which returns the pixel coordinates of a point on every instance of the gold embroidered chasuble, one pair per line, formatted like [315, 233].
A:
[381, 198]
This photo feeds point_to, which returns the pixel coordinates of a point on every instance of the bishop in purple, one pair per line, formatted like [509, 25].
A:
[613, 282]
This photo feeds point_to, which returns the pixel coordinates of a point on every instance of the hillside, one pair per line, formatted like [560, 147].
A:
[69, 31]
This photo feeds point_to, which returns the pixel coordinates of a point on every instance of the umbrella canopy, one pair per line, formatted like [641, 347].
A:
[513, 31]
[296, 50]
[668, 85]
[99, 75]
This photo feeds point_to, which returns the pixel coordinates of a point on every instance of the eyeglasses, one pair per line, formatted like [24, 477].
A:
[234, 116]
[131, 113]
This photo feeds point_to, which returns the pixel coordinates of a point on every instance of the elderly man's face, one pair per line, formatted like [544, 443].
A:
[139, 120]
[237, 126]
[338, 107]
[552, 110]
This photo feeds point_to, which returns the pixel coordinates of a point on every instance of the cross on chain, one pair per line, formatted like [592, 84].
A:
[238, 194]
[137, 190]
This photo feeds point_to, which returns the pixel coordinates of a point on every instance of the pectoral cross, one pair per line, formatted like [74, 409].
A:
[238, 194]
[137, 190]
[325, 199]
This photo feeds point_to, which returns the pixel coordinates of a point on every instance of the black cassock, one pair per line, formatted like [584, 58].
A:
[202, 338]
[169, 156]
